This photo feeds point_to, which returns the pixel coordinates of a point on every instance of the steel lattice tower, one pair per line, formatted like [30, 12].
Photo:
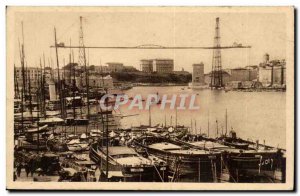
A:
[216, 72]
[81, 58]
[82, 62]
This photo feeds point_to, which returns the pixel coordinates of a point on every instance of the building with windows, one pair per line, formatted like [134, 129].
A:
[32, 74]
[157, 65]
[198, 75]
[146, 65]
[115, 67]
[272, 72]
[163, 65]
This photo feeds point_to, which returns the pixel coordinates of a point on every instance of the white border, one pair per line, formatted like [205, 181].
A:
[3, 4]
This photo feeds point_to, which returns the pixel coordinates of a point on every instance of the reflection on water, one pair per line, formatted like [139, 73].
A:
[253, 115]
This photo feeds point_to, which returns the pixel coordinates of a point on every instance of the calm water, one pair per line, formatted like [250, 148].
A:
[253, 115]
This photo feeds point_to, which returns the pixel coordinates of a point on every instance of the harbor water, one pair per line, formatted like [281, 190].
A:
[253, 115]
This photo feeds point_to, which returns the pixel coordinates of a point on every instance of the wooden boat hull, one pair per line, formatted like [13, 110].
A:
[247, 166]
[128, 173]
[188, 167]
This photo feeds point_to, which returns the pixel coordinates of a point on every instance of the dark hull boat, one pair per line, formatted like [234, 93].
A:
[246, 161]
[186, 164]
[255, 165]
[125, 164]
[76, 121]
[253, 161]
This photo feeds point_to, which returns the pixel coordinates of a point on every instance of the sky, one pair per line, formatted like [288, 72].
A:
[265, 32]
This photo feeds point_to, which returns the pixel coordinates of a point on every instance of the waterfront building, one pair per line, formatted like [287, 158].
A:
[225, 77]
[272, 72]
[157, 65]
[146, 65]
[163, 65]
[115, 67]
[32, 73]
[243, 74]
[95, 81]
[182, 72]
[198, 75]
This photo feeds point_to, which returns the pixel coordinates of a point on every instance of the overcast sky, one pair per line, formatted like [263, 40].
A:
[265, 32]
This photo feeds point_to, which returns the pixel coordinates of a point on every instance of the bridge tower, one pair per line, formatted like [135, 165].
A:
[82, 63]
[216, 72]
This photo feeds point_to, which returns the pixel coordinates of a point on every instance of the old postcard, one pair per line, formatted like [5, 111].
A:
[150, 98]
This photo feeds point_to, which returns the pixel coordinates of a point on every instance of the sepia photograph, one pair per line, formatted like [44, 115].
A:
[150, 98]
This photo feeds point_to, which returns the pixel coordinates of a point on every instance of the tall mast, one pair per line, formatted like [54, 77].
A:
[29, 92]
[23, 84]
[175, 116]
[16, 96]
[208, 124]
[191, 125]
[217, 128]
[40, 83]
[43, 86]
[58, 74]
[73, 88]
[72, 81]
[226, 122]
[150, 115]
[195, 127]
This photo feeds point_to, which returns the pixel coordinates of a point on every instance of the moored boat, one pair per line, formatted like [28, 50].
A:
[125, 164]
[186, 163]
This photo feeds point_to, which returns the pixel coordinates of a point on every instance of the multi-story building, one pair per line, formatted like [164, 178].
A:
[95, 81]
[272, 72]
[157, 65]
[163, 65]
[32, 75]
[146, 65]
[225, 77]
[102, 69]
[198, 74]
[243, 74]
[115, 67]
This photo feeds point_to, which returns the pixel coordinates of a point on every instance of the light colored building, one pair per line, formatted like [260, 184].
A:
[272, 72]
[115, 67]
[146, 65]
[102, 69]
[163, 65]
[225, 77]
[198, 75]
[32, 74]
[243, 74]
[95, 81]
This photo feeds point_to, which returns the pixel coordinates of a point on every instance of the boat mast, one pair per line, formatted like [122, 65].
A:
[82, 57]
[29, 92]
[175, 116]
[226, 122]
[149, 115]
[74, 87]
[58, 74]
[38, 111]
[217, 128]
[195, 127]
[208, 125]
[40, 83]
[103, 123]
[43, 86]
